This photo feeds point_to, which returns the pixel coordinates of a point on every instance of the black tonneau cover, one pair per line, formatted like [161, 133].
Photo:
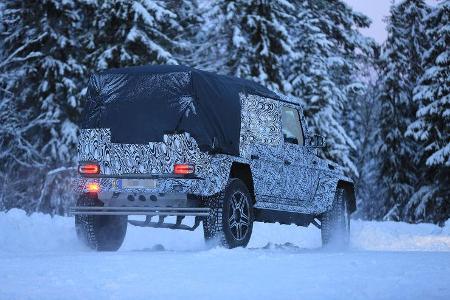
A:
[141, 104]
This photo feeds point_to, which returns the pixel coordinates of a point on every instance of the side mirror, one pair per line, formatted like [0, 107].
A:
[315, 141]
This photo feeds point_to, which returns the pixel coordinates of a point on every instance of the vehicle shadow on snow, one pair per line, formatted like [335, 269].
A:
[269, 247]
[154, 248]
[293, 248]
[289, 247]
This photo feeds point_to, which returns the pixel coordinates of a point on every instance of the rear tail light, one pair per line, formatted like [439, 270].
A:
[183, 169]
[89, 168]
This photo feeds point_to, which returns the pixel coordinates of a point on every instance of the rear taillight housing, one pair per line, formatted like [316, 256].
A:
[90, 168]
[183, 169]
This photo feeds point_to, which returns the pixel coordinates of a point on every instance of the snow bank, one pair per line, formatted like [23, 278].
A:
[42, 233]
[38, 232]
[398, 236]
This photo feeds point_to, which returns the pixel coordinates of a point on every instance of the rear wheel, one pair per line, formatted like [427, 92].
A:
[101, 233]
[335, 223]
[231, 221]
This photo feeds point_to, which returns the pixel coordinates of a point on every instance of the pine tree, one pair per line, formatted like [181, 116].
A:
[19, 154]
[328, 50]
[248, 39]
[365, 117]
[43, 70]
[190, 21]
[126, 33]
[400, 69]
[431, 126]
[40, 79]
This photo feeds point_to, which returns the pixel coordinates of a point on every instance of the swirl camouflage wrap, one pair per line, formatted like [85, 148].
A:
[286, 176]
[307, 185]
[153, 158]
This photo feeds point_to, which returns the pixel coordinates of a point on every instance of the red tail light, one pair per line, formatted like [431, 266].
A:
[89, 168]
[183, 169]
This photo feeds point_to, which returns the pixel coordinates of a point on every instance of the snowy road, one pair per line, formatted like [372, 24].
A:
[41, 259]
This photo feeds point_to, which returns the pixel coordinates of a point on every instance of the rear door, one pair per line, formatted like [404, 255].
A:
[300, 171]
[261, 143]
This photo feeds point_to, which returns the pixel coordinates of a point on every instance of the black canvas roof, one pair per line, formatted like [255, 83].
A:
[141, 104]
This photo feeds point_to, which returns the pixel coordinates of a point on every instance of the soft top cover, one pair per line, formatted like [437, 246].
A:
[141, 104]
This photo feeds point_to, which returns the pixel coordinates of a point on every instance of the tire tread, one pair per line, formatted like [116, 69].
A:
[101, 233]
[334, 231]
[213, 225]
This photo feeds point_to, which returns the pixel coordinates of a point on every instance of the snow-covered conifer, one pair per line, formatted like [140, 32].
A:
[42, 70]
[190, 21]
[431, 126]
[401, 66]
[249, 39]
[40, 80]
[122, 33]
[323, 70]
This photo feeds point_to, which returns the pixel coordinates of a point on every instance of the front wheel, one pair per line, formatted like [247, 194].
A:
[335, 223]
[101, 233]
[231, 221]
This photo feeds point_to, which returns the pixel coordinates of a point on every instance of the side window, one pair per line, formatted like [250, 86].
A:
[292, 129]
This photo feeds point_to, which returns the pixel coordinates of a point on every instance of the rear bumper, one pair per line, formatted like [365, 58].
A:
[140, 203]
[147, 211]
[162, 185]
[146, 199]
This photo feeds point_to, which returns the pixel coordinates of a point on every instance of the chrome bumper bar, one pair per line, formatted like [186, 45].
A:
[147, 211]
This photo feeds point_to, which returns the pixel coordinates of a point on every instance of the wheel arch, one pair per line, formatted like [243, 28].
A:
[349, 187]
[244, 173]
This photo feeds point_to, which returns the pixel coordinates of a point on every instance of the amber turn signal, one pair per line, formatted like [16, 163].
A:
[93, 187]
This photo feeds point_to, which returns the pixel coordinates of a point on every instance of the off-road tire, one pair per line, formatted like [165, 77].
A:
[101, 233]
[216, 227]
[335, 223]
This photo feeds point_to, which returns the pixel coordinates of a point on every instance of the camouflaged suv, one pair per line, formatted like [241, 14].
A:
[167, 142]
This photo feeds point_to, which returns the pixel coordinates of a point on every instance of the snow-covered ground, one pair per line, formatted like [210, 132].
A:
[40, 258]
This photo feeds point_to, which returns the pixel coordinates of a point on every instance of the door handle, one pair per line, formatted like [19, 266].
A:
[253, 156]
[287, 163]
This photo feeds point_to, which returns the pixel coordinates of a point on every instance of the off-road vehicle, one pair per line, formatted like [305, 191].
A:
[175, 141]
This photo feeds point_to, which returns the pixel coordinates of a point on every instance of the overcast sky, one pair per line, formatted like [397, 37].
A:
[376, 10]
